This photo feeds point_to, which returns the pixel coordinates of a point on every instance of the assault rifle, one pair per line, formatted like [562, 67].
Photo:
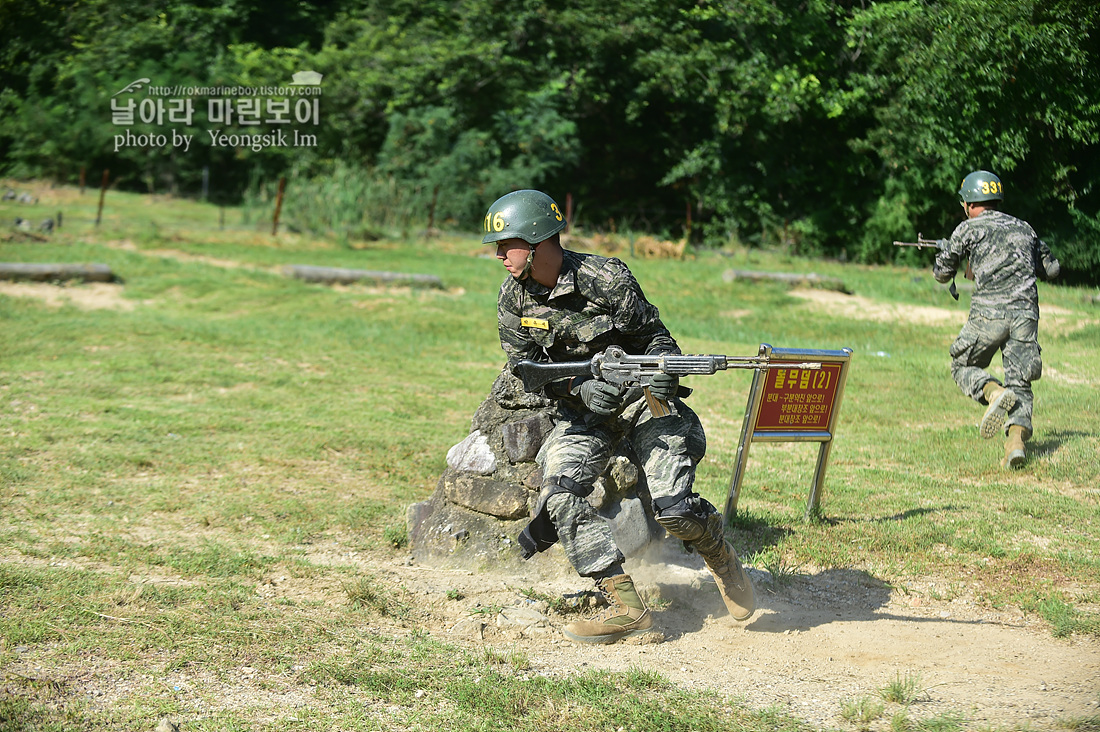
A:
[922, 242]
[616, 366]
[940, 244]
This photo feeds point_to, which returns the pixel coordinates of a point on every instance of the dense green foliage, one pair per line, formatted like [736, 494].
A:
[825, 127]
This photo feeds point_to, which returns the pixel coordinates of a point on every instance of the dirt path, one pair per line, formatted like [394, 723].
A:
[817, 643]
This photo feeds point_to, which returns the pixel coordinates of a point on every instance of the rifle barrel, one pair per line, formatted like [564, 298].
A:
[685, 365]
[812, 365]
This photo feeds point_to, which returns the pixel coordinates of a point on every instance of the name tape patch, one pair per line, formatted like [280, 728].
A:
[534, 323]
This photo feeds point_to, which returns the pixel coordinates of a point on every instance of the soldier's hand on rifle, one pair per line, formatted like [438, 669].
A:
[1051, 267]
[601, 397]
[664, 386]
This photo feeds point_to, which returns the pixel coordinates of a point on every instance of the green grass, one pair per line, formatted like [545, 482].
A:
[862, 711]
[487, 693]
[159, 462]
[902, 690]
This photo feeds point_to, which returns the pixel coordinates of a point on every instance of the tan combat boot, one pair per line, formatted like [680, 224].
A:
[1014, 447]
[1001, 401]
[721, 559]
[626, 614]
[709, 539]
[733, 581]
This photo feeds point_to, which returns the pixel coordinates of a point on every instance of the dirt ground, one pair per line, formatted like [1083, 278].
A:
[818, 641]
[89, 296]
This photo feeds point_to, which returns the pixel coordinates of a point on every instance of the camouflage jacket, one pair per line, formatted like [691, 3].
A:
[1006, 257]
[596, 303]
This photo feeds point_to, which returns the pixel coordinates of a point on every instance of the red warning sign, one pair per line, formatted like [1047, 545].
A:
[798, 399]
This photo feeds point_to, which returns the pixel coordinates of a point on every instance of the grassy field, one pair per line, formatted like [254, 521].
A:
[210, 419]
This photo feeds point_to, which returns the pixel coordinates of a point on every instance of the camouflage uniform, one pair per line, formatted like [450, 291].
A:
[596, 303]
[1006, 257]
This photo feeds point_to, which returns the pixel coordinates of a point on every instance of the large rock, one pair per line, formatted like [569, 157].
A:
[472, 455]
[506, 501]
[485, 496]
[523, 438]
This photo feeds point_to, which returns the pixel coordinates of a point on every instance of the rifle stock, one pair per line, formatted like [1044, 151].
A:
[535, 375]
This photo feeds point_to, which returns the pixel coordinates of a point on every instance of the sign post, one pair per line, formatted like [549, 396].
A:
[793, 405]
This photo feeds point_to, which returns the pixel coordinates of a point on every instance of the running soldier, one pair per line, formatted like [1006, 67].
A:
[559, 305]
[1006, 257]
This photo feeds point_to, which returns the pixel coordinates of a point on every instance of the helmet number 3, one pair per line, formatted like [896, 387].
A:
[992, 186]
[495, 221]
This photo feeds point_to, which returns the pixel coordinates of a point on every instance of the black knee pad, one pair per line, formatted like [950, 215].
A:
[685, 516]
[540, 534]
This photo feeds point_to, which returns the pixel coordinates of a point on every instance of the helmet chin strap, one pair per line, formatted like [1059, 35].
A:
[527, 267]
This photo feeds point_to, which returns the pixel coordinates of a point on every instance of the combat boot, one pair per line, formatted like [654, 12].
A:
[721, 559]
[625, 615]
[1001, 401]
[1014, 447]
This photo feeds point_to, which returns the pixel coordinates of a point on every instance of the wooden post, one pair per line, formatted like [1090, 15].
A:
[278, 205]
[39, 272]
[102, 192]
[568, 212]
[687, 228]
[339, 275]
[82, 180]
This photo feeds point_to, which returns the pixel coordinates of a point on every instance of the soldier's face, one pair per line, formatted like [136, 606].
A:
[513, 253]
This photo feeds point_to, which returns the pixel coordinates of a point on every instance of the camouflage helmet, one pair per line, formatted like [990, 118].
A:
[529, 215]
[981, 185]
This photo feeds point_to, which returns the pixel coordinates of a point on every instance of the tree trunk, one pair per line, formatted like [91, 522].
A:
[51, 272]
[339, 276]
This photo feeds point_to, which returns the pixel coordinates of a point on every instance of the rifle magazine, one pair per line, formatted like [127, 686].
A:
[657, 407]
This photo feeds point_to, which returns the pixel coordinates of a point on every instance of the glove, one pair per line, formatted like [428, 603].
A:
[1051, 268]
[601, 397]
[664, 386]
[941, 244]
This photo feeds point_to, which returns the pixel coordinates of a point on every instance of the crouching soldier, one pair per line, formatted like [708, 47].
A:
[559, 305]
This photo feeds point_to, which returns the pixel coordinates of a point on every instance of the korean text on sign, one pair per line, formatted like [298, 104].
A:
[798, 399]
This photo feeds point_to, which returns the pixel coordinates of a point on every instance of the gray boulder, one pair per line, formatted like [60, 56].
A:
[485, 496]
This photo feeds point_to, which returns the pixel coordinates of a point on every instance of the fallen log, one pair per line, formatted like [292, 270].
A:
[37, 272]
[340, 276]
[792, 279]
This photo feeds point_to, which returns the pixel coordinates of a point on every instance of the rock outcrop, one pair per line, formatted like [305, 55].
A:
[485, 496]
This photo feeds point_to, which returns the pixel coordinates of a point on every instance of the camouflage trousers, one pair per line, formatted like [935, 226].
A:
[1017, 338]
[668, 449]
